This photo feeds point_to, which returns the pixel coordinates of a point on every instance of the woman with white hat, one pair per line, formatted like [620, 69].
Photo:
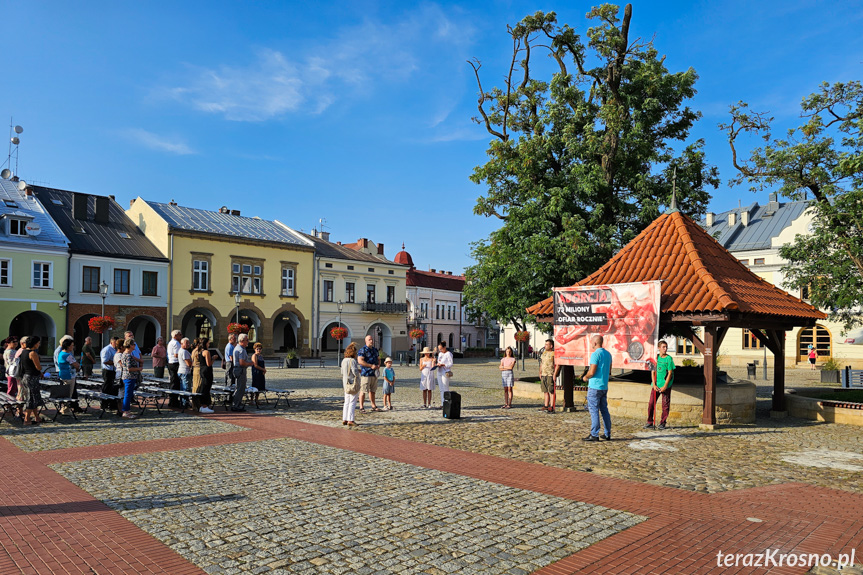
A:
[427, 369]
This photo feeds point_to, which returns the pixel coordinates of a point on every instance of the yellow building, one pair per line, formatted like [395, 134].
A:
[229, 268]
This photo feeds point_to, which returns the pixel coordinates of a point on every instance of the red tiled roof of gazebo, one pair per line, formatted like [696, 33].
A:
[698, 274]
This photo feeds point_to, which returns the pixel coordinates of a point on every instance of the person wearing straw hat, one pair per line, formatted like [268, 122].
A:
[427, 369]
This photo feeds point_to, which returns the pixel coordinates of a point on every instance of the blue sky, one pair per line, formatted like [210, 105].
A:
[356, 112]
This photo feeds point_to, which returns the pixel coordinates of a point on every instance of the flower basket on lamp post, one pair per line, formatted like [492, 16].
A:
[237, 328]
[339, 333]
[101, 324]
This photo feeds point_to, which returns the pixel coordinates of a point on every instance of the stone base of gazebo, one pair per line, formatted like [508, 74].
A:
[735, 402]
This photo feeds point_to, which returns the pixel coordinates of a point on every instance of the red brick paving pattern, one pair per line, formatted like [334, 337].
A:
[683, 534]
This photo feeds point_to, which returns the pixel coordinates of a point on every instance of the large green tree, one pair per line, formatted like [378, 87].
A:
[820, 161]
[581, 160]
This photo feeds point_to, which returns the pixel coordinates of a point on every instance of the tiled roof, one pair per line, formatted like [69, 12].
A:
[225, 224]
[51, 237]
[765, 223]
[118, 238]
[698, 275]
[434, 280]
[330, 250]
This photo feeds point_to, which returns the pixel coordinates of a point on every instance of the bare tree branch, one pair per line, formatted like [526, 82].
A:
[476, 65]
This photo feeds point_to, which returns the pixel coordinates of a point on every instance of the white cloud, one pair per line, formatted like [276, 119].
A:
[353, 63]
[170, 144]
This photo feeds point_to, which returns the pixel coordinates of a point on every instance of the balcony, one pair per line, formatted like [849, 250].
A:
[385, 307]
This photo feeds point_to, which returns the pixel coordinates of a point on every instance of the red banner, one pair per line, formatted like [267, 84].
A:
[626, 315]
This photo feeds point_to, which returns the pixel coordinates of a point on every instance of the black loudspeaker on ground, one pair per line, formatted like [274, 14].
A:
[451, 405]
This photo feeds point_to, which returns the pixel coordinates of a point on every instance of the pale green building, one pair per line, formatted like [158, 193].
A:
[34, 268]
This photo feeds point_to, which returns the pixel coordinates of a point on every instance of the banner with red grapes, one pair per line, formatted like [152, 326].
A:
[625, 315]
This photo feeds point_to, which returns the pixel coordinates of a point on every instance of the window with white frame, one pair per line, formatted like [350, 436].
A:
[5, 273]
[42, 275]
[201, 275]
[391, 294]
[17, 227]
[350, 292]
[288, 281]
[370, 293]
[246, 277]
[328, 290]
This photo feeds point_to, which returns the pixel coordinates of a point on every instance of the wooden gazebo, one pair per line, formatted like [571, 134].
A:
[702, 285]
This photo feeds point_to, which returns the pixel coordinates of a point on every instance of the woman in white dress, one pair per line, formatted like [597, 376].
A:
[427, 369]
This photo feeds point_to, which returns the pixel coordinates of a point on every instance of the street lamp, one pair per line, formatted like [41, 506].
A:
[340, 305]
[103, 291]
[237, 299]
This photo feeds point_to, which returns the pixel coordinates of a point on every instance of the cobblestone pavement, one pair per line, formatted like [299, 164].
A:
[89, 430]
[290, 506]
[766, 452]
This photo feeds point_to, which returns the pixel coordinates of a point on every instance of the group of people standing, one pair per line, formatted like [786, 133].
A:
[23, 371]
[435, 364]
[361, 370]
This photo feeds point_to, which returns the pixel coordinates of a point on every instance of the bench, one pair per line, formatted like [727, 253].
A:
[58, 403]
[222, 394]
[164, 392]
[9, 405]
[852, 377]
[281, 394]
[312, 360]
[89, 395]
[145, 398]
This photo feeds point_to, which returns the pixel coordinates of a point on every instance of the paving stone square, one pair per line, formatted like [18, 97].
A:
[290, 506]
[89, 431]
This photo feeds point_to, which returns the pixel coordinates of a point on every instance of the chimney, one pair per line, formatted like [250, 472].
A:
[710, 218]
[364, 242]
[102, 204]
[744, 217]
[338, 243]
[325, 236]
[380, 249]
[732, 219]
[432, 270]
[28, 191]
[449, 273]
[131, 203]
[235, 212]
[79, 206]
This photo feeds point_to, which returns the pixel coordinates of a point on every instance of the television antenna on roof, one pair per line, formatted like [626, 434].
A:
[7, 172]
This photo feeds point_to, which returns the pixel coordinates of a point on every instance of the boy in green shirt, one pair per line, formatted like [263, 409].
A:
[662, 377]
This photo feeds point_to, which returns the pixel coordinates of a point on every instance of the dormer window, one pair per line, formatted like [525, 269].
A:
[17, 227]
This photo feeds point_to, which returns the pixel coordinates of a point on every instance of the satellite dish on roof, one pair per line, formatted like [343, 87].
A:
[22, 185]
[6, 173]
[16, 140]
[33, 229]
[223, 210]
[18, 129]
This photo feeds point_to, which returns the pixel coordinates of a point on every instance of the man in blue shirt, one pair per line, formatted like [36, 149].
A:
[370, 362]
[229, 360]
[597, 389]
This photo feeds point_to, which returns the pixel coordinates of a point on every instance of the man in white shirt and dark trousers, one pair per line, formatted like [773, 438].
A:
[173, 365]
[444, 366]
[106, 356]
[241, 362]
